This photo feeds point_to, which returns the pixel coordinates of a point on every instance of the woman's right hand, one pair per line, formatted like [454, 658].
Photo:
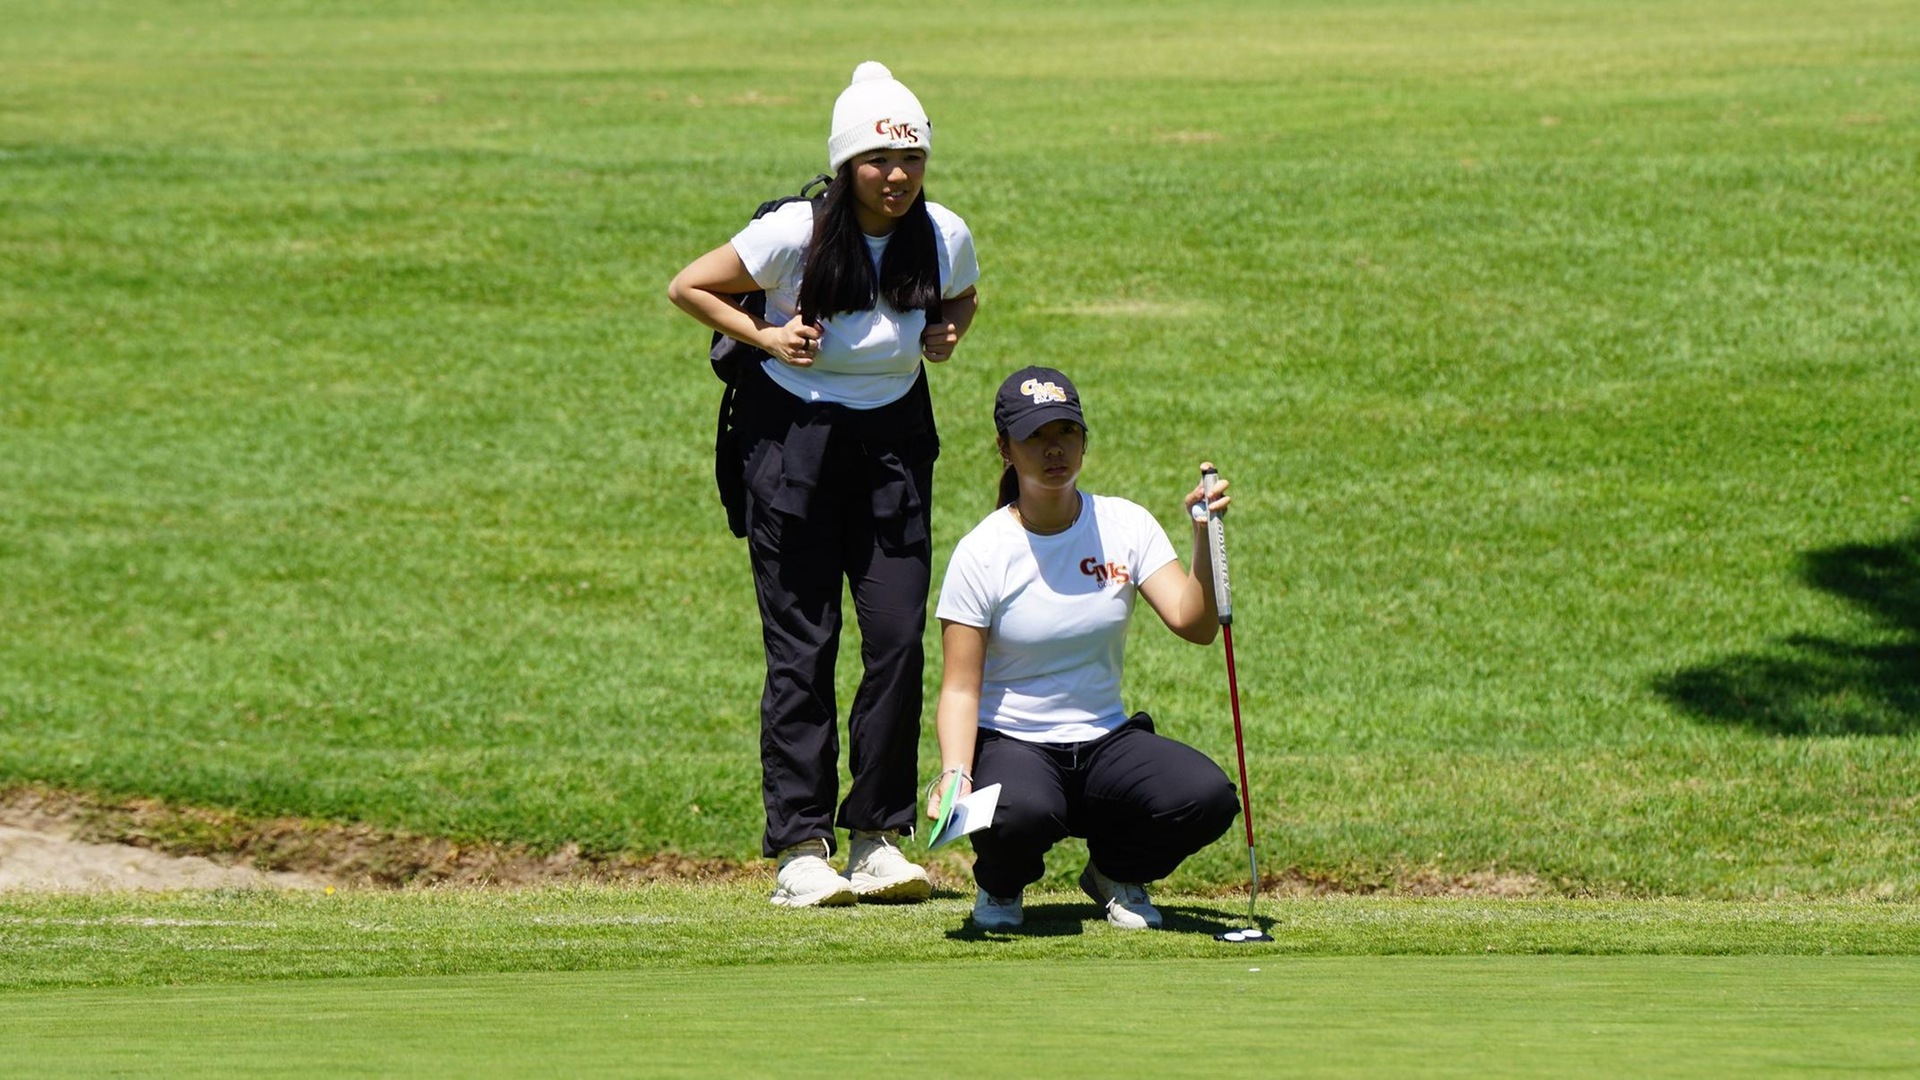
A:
[796, 344]
[937, 792]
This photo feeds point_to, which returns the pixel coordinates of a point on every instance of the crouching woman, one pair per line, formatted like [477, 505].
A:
[1033, 624]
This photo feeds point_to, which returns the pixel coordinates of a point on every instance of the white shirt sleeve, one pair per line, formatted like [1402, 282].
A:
[964, 598]
[1156, 549]
[959, 266]
[774, 245]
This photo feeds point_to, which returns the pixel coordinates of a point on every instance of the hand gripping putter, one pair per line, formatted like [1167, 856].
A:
[1223, 599]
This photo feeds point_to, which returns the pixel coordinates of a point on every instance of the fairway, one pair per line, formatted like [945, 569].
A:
[1245, 1015]
[356, 502]
[356, 467]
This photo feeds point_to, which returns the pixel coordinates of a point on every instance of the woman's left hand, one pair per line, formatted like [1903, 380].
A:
[937, 791]
[1198, 505]
[938, 341]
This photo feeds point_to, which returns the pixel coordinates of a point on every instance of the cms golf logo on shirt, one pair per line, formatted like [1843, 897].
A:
[1043, 392]
[1105, 574]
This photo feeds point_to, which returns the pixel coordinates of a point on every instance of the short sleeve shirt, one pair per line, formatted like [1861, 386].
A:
[867, 358]
[1056, 610]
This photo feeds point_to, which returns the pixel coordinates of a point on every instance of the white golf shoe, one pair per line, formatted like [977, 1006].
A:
[880, 872]
[805, 879]
[1126, 903]
[992, 912]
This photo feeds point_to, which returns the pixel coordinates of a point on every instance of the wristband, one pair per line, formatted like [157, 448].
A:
[944, 773]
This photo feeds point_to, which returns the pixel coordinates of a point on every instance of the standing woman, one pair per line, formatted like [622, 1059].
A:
[837, 444]
[1033, 626]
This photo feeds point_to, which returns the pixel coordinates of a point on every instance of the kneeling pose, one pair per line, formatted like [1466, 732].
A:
[1033, 623]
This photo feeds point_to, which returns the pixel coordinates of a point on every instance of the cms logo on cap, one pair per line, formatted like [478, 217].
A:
[1042, 392]
[891, 130]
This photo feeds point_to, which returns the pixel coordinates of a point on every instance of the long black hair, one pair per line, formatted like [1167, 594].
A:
[838, 275]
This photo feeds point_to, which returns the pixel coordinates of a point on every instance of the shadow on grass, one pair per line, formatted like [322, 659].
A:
[1809, 685]
[1208, 922]
[1073, 919]
[1042, 920]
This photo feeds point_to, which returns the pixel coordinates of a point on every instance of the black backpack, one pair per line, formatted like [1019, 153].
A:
[729, 357]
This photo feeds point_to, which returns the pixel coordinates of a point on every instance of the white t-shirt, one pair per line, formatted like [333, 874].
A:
[1055, 609]
[867, 358]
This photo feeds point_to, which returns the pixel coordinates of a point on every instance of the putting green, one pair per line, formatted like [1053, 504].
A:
[1251, 1011]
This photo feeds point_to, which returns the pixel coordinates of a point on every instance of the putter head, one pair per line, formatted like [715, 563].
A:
[1242, 936]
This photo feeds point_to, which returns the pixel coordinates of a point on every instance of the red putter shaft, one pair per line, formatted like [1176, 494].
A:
[1223, 599]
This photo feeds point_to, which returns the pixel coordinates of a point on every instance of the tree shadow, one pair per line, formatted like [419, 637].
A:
[1807, 685]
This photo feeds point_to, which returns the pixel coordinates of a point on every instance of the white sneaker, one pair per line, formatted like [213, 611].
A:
[1127, 905]
[806, 880]
[879, 872]
[997, 912]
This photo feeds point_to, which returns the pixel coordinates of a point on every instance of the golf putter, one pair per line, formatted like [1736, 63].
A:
[1223, 599]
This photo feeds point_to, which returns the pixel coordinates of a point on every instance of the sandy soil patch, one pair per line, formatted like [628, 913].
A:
[51, 839]
[52, 860]
[57, 840]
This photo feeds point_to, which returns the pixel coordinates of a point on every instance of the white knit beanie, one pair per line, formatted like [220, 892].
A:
[876, 112]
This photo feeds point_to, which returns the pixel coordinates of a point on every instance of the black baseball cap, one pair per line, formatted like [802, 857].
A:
[1033, 396]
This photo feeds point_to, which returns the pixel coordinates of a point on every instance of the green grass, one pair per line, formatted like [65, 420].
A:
[1504, 1016]
[677, 980]
[189, 939]
[352, 460]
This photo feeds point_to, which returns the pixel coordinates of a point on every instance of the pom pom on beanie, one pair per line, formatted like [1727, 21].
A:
[876, 112]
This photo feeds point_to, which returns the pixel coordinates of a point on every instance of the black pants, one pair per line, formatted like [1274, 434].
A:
[801, 563]
[1143, 802]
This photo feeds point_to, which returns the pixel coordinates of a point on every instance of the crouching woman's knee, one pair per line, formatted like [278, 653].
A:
[1215, 807]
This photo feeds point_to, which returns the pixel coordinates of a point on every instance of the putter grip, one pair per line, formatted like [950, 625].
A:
[1217, 541]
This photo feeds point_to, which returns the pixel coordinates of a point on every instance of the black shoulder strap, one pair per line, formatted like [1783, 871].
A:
[727, 356]
[807, 194]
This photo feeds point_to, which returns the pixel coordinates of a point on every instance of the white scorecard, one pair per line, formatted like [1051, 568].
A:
[971, 814]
